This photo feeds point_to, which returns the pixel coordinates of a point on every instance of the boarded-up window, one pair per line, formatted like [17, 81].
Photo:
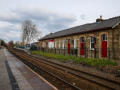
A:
[59, 44]
[75, 43]
[51, 43]
[63, 44]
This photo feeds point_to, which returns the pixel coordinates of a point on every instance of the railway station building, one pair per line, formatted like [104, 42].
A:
[100, 39]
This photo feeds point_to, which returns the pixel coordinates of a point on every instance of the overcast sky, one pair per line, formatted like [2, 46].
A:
[52, 15]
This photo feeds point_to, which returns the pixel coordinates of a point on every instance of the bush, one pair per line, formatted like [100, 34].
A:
[33, 47]
[89, 61]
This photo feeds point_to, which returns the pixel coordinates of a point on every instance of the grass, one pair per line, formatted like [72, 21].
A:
[88, 61]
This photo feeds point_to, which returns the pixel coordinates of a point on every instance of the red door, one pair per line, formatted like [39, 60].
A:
[82, 45]
[104, 46]
[68, 46]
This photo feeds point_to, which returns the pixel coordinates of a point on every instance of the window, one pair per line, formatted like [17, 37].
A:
[82, 42]
[63, 44]
[51, 43]
[92, 42]
[59, 44]
[104, 37]
[82, 39]
[55, 44]
[75, 43]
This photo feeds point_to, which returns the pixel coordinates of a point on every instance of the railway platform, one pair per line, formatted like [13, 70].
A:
[15, 75]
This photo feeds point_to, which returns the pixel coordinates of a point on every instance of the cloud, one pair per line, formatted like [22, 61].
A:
[9, 32]
[47, 21]
[82, 16]
[10, 35]
[11, 17]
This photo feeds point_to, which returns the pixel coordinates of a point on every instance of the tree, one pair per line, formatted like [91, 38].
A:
[30, 32]
[3, 43]
[11, 44]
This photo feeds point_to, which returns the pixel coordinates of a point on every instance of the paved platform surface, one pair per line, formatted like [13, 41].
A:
[25, 77]
[4, 78]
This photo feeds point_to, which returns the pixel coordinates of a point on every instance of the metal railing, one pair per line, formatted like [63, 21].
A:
[86, 52]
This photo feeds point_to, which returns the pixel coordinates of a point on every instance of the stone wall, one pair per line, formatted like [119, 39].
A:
[113, 43]
[116, 43]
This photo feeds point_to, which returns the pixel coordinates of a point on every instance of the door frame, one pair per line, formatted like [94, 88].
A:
[104, 39]
[68, 46]
[82, 49]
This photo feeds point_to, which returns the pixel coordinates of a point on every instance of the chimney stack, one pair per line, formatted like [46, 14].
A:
[99, 19]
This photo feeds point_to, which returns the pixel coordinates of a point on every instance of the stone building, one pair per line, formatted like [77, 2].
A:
[100, 39]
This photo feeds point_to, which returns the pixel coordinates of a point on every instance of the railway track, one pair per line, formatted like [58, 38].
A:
[99, 81]
[59, 82]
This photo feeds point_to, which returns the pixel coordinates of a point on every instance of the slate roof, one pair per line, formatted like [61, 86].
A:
[105, 24]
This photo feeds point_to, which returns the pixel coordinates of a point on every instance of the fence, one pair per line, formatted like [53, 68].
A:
[87, 53]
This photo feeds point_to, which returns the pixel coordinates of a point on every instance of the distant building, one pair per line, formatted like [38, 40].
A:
[100, 39]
